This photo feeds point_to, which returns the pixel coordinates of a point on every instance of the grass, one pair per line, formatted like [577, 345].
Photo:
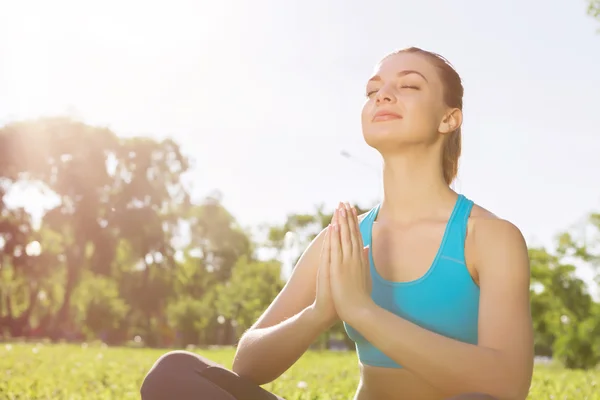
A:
[94, 372]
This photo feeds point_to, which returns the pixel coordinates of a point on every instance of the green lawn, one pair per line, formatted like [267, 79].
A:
[93, 372]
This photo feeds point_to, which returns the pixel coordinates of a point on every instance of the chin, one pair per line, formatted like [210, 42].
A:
[382, 138]
[390, 142]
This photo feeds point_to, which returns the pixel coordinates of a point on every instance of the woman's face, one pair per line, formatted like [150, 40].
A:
[404, 103]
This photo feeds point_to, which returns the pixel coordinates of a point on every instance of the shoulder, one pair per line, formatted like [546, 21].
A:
[495, 241]
[489, 231]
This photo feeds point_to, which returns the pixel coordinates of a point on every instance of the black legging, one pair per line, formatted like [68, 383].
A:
[181, 375]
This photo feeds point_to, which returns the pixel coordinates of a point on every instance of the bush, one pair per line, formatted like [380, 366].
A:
[189, 317]
[100, 310]
[577, 345]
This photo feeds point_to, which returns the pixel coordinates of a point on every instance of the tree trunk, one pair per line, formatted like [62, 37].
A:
[74, 264]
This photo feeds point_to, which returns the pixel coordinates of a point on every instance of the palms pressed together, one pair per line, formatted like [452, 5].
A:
[343, 282]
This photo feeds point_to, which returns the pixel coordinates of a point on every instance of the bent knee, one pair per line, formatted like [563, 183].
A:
[178, 359]
[173, 367]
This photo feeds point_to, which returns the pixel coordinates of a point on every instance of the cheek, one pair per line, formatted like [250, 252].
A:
[420, 112]
[366, 111]
[366, 108]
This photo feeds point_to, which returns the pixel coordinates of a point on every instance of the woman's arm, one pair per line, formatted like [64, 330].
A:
[287, 328]
[501, 364]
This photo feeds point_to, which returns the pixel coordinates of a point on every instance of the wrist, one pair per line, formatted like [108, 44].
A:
[361, 312]
[317, 319]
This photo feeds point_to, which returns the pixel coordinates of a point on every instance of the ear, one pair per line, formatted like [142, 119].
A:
[452, 121]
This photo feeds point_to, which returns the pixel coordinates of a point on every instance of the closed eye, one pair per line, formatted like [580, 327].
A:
[371, 92]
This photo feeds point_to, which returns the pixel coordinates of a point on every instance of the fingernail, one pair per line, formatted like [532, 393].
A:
[343, 212]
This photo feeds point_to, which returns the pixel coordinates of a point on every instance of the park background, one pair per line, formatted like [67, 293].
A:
[163, 165]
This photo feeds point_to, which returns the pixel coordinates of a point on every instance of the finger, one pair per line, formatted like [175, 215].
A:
[345, 239]
[334, 218]
[325, 256]
[354, 230]
[334, 243]
[324, 267]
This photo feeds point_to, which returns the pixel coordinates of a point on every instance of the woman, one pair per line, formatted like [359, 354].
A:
[433, 289]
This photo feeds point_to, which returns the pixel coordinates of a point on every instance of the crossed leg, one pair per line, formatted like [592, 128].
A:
[184, 375]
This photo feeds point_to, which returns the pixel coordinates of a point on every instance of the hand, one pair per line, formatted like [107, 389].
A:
[349, 264]
[323, 306]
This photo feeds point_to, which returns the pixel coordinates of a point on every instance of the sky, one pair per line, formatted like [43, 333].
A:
[265, 95]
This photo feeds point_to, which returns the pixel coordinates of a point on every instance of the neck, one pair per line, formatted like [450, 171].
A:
[414, 187]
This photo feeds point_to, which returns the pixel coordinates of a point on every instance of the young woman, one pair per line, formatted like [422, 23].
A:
[433, 289]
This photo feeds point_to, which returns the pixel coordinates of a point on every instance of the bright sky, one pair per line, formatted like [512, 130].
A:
[265, 94]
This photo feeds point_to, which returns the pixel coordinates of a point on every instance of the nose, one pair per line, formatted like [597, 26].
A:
[385, 95]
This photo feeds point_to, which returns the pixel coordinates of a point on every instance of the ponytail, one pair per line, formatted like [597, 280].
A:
[450, 156]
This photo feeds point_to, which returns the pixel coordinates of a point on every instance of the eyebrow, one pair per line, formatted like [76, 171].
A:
[399, 74]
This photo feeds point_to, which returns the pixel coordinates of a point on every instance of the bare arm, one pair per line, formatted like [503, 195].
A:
[288, 326]
[501, 364]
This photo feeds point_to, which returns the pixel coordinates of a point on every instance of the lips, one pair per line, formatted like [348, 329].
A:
[386, 115]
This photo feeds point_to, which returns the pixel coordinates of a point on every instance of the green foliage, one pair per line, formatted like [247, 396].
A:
[189, 317]
[577, 345]
[99, 307]
[252, 287]
[95, 372]
[106, 189]
[556, 295]
[594, 8]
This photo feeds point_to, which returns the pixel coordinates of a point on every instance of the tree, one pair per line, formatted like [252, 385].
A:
[557, 297]
[216, 245]
[107, 189]
[100, 308]
[577, 344]
[217, 237]
[566, 319]
[252, 287]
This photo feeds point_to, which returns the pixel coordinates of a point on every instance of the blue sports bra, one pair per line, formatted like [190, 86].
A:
[445, 300]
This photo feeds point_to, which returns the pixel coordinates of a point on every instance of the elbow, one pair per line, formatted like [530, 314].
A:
[244, 367]
[518, 387]
[511, 393]
[240, 364]
[510, 381]
[505, 392]
[510, 389]
[250, 372]
[518, 390]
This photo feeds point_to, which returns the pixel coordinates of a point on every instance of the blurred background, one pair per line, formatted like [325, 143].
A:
[164, 164]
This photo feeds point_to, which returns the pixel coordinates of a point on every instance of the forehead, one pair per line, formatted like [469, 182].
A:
[390, 66]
